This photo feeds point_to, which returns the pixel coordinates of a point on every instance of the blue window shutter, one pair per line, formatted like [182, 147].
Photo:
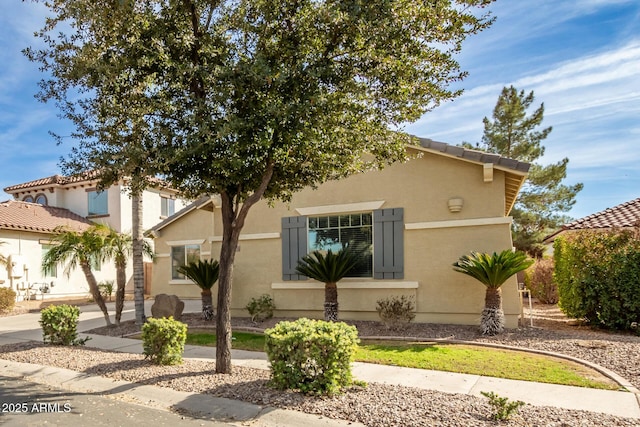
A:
[388, 243]
[294, 246]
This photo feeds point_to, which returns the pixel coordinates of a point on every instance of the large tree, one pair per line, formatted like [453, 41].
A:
[542, 201]
[259, 99]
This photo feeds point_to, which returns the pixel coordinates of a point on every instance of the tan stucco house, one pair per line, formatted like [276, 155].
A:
[417, 218]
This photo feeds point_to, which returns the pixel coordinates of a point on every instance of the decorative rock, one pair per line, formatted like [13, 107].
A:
[167, 305]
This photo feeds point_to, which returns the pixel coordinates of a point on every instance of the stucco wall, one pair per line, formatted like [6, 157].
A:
[434, 238]
[29, 247]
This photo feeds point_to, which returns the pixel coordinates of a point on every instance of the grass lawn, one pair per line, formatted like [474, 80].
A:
[466, 359]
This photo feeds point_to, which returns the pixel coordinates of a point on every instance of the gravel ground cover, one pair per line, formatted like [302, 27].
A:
[376, 404]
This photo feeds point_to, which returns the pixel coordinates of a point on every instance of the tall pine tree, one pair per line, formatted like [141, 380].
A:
[543, 200]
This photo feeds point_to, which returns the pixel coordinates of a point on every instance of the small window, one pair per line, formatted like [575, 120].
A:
[183, 255]
[335, 232]
[167, 206]
[97, 203]
[28, 199]
[48, 272]
[41, 199]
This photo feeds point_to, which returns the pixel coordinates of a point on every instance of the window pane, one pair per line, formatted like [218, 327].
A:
[177, 260]
[97, 203]
[344, 231]
[167, 206]
[183, 255]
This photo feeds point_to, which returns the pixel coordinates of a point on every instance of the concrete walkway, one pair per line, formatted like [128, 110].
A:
[25, 327]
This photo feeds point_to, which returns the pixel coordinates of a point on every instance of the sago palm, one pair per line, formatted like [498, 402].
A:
[330, 269]
[78, 249]
[204, 274]
[492, 271]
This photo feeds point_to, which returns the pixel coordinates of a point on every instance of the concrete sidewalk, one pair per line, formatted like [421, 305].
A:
[620, 403]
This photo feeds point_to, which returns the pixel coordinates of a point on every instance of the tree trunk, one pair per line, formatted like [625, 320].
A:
[233, 218]
[230, 234]
[492, 319]
[331, 302]
[138, 259]
[493, 298]
[95, 291]
[207, 304]
[121, 281]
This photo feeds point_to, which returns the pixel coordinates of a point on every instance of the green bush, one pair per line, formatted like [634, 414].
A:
[503, 408]
[163, 340]
[261, 308]
[598, 277]
[7, 299]
[312, 356]
[396, 311]
[60, 325]
[539, 280]
[106, 289]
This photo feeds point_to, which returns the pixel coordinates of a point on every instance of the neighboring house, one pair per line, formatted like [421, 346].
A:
[25, 229]
[622, 216]
[80, 196]
[417, 218]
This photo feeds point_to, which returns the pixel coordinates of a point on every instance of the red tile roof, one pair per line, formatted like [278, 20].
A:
[15, 215]
[61, 180]
[623, 215]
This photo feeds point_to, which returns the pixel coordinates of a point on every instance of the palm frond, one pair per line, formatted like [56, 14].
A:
[202, 273]
[492, 270]
[329, 268]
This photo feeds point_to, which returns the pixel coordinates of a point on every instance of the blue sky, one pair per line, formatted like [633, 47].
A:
[580, 57]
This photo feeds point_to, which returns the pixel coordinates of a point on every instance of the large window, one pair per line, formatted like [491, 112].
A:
[167, 206]
[379, 235]
[53, 270]
[97, 203]
[353, 231]
[183, 255]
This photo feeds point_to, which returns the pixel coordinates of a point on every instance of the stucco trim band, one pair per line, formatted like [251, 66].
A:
[378, 284]
[336, 209]
[185, 242]
[256, 236]
[458, 223]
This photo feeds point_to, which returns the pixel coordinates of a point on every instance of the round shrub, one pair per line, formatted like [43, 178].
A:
[60, 325]
[163, 340]
[312, 356]
[396, 311]
[7, 299]
[539, 280]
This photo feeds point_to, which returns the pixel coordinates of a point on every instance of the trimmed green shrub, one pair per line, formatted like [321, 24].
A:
[60, 325]
[163, 340]
[7, 299]
[539, 280]
[261, 308]
[598, 277]
[312, 356]
[396, 311]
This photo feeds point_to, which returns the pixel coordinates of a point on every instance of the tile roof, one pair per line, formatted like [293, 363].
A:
[623, 215]
[61, 180]
[15, 215]
[474, 155]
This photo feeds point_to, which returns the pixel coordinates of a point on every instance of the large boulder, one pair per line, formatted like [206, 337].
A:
[167, 305]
